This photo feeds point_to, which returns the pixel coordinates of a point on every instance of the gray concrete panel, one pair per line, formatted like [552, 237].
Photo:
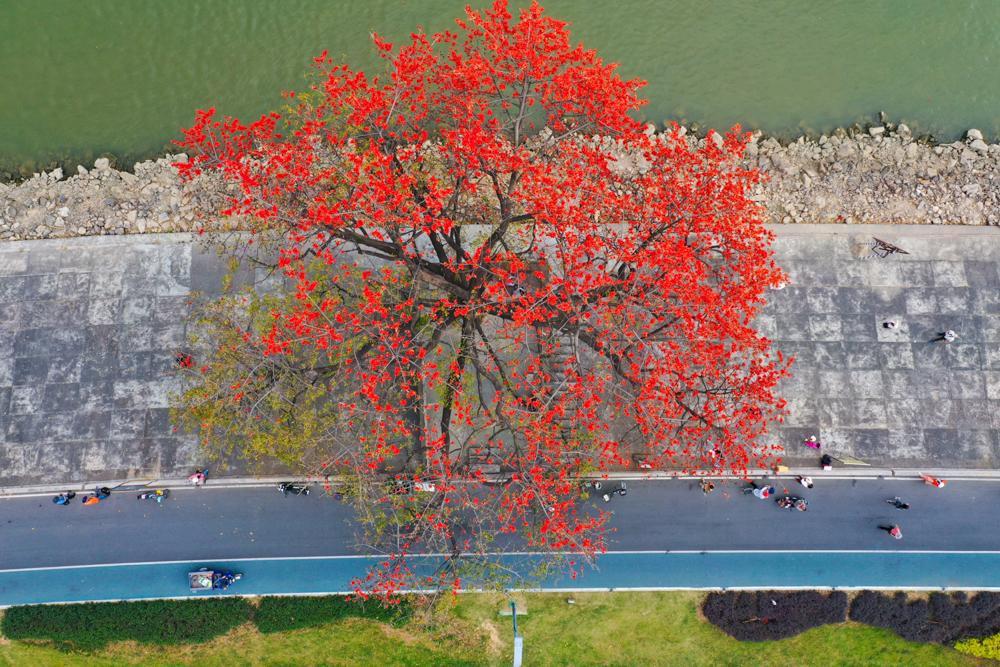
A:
[891, 396]
[89, 329]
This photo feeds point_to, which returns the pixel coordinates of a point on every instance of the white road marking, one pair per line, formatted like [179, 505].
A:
[685, 552]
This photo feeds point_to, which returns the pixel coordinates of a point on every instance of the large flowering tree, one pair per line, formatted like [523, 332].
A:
[501, 282]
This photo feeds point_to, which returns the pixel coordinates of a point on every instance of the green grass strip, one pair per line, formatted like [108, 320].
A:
[279, 614]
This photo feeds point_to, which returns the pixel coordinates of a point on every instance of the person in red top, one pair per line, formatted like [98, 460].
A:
[91, 500]
[933, 481]
[894, 531]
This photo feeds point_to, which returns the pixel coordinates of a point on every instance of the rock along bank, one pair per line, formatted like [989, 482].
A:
[880, 174]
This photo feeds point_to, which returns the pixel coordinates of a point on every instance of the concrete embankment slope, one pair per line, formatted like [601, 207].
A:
[891, 397]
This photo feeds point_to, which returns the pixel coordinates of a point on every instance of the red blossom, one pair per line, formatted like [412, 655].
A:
[531, 238]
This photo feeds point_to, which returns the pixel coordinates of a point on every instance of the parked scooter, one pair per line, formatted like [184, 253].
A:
[793, 502]
[159, 495]
[606, 489]
[64, 498]
[293, 488]
[204, 579]
[224, 580]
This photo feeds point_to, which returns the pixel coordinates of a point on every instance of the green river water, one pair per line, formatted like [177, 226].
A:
[84, 78]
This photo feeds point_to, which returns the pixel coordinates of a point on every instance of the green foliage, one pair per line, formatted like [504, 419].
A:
[988, 647]
[241, 396]
[280, 614]
[600, 629]
[93, 625]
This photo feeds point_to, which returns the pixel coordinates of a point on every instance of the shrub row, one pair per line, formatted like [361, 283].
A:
[940, 619]
[768, 615]
[93, 625]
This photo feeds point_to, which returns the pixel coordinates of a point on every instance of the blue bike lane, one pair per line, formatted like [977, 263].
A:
[615, 571]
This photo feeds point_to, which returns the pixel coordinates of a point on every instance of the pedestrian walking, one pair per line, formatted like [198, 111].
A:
[826, 462]
[812, 442]
[805, 481]
[890, 324]
[706, 486]
[948, 336]
[933, 481]
[91, 500]
[198, 477]
[898, 503]
[893, 530]
[762, 492]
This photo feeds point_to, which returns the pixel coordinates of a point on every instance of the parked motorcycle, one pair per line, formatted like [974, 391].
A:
[606, 489]
[205, 579]
[64, 498]
[159, 495]
[223, 580]
[293, 488]
[793, 503]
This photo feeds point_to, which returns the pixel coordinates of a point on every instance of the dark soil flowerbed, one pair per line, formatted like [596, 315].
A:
[768, 615]
[940, 618]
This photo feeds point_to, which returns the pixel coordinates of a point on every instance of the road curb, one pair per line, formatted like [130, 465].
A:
[955, 474]
[138, 484]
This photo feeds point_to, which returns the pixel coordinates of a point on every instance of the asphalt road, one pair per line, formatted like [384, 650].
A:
[222, 524]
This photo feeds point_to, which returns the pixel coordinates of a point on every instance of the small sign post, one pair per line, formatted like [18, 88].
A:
[518, 639]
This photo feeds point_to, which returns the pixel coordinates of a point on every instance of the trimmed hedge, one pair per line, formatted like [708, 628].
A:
[278, 614]
[941, 618]
[768, 615]
[94, 625]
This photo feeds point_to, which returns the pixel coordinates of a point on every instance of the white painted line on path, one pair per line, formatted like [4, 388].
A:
[474, 591]
[625, 477]
[680, 552]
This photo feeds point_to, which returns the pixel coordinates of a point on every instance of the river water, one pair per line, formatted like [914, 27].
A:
[85, 78]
